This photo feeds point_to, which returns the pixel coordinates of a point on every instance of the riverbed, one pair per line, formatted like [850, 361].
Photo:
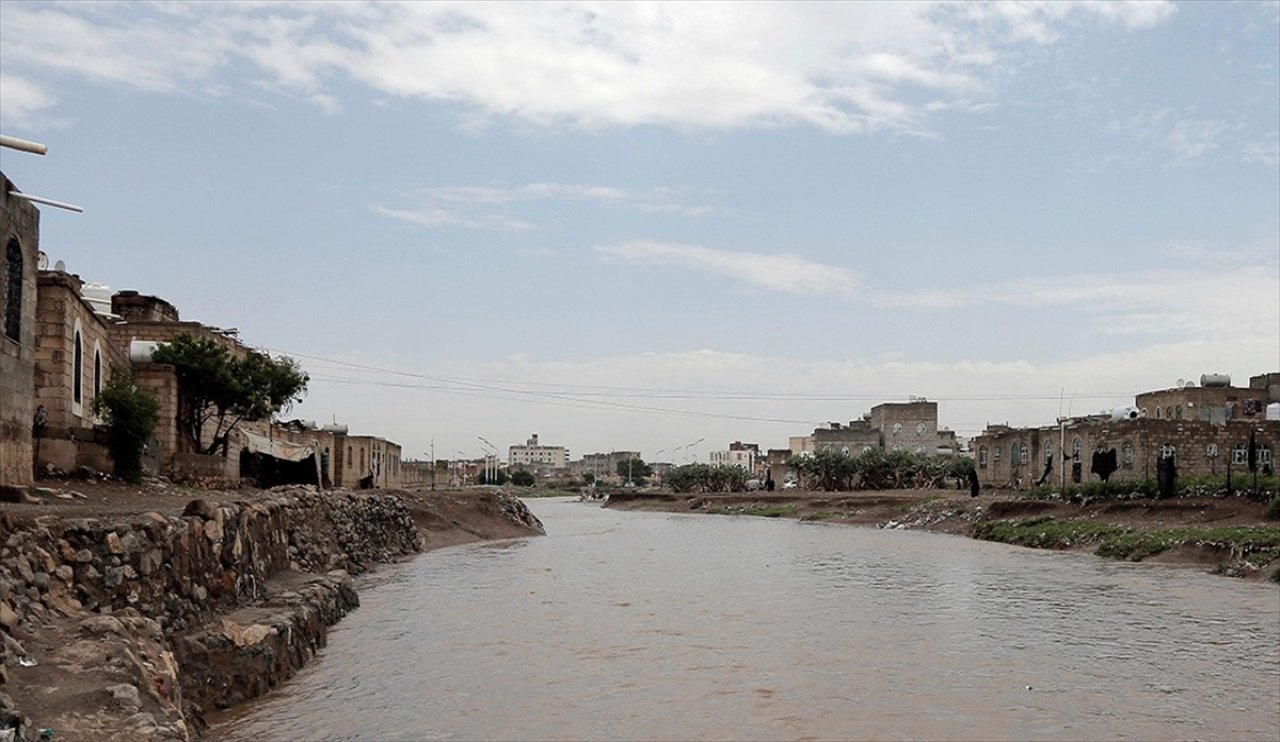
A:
[637, 625]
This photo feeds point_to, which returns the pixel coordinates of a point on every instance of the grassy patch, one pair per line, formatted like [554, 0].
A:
[822, 515]
[762, 511]
[1257, 545]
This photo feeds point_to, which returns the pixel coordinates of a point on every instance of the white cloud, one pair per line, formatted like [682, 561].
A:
[842, 67]
[480, 207]
[1228, 295]
[1267, 153]
[782, 272]
[21, 102]
[1190, 140]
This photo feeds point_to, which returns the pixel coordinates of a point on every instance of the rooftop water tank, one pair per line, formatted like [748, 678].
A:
[339, 429]
[1212, 380]
[1273, 411]
[1125, 413]
[98, 296]
[140, 350]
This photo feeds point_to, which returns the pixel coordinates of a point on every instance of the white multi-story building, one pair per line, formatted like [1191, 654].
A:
[739, 454]
[533, 455]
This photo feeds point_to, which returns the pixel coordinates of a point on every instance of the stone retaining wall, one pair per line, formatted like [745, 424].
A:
[186, 571]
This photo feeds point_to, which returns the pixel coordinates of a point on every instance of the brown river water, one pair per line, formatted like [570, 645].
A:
[648, 626]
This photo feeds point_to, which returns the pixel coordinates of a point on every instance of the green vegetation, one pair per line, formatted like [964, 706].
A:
[498, 477]
[878, 469]
[218, 391]
[1273, 510]
[522, 478]
[761, 511]
[707, 478]
[131, 414]
[1257, 545]
[634, 470]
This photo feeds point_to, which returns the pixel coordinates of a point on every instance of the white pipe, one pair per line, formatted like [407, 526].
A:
[48, 201]
[34, 148]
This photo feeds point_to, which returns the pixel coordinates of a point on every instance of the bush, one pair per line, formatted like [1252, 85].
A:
[131, 414]
[521, 478]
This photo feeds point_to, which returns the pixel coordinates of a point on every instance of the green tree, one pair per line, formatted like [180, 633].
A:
[634, 470]
[522, 478]
[131, 414]
[217, 391]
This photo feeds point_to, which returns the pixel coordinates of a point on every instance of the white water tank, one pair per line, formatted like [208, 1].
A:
[1213, 380]
[140, 350]
[1125, 413]
[339, 429]
[98, 296]
[1273, 411]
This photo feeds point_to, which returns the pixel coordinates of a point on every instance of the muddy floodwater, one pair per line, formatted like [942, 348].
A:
[633, 625]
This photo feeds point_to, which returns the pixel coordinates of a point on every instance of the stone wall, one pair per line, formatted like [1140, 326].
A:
[196, 576]
[20, 226]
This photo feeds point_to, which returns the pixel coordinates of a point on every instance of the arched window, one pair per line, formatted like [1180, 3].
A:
[1168, 412]
[97, 368]
[1211, 450]
[1126, 454]
[1177, 412]
[1076, 448]
[845, 450]
[1240, 454]
[1014, 455]
[1159, 412]
[1169, 451]
[77, 371]
[13, 290]
[1048, 450]
[897, 428]
[995, 454]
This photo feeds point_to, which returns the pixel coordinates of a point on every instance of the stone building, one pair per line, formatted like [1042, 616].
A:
[1210, 438]
[74, 357]
[852, 440]
[602, 466]
[20, 236]
[907, 426]
[366, 462]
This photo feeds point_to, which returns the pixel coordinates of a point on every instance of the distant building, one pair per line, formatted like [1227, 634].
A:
[739, 454]
[535, 456]
[853, 439]
[907, 426]
[601, 465]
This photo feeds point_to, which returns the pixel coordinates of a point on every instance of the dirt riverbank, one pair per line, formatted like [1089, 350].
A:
[113, 597]
[1202, 532]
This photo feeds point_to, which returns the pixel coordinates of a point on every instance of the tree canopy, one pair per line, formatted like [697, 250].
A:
[217, 391]
[634, 469]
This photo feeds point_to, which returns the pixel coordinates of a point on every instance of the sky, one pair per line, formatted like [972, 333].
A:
[666, 227]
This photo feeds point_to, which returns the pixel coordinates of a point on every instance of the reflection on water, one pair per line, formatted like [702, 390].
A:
[659, 626]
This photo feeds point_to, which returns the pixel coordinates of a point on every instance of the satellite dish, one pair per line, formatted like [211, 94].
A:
[42, 261]
[1182, 383]
[60, 266]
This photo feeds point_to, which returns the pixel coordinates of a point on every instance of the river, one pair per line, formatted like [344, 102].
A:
[635, 625]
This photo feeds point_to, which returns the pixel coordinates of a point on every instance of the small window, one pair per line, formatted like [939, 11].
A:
[1076, 448]
[995, 455]
[845, 450]
[982, 457]
[919, 428]
[1024, 455]
[1048, 450]
[1126, 454]
[897, 428]
[1264, 455]
[1168, 413]
[1177, 412]
[1169, 451]
[1211, 450]
[897, 447]
[1014, 453]
[1240, 454]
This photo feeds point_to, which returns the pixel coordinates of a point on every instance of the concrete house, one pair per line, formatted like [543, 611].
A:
[20, 236]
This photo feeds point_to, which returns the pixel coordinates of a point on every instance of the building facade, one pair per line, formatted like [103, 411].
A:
[20, 238]
[535, 456]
